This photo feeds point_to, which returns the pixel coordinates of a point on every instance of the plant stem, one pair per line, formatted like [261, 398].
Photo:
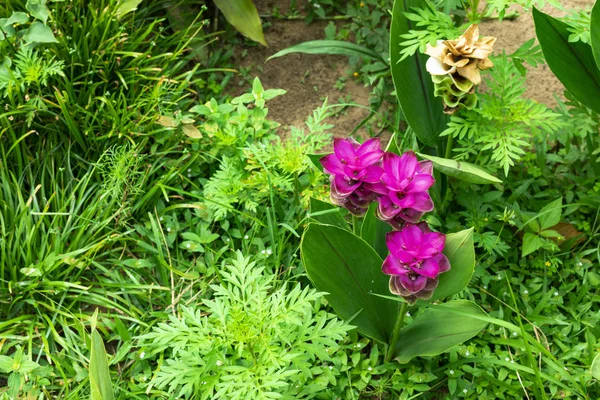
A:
[396, 332]
[355, 229]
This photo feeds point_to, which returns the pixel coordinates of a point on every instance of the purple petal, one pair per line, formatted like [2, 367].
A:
[377, 187]
[420, 201]
[391, 166]
[408, 165]
[371, 158]
[412, 282]
[392, 266]
[354, 173]
[442, 262]
[429, 268]
[425, 167]
[419, 183]
[371, 145]
[435, 240]
[344, 150]
[410, 215]
[390, 182]
[386, 209]
[372, 174]
[332, 165]
[411, 237]
[343, 187]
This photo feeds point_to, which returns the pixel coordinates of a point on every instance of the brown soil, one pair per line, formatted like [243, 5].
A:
[309, 79]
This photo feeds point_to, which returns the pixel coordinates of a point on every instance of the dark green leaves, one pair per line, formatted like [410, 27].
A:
[243, 16]
[414, 87]
[461, 170]
[337, 47]
[38, 9]
[595, 32]
[572, 63]
[461, 253]
[39, 33]
[349, 270]
[436, 330]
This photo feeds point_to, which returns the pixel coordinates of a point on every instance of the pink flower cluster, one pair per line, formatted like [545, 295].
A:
[361, 174]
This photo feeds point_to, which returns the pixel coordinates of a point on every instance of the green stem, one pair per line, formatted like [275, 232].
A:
[355, 226]
[449, 145]
[396, 332]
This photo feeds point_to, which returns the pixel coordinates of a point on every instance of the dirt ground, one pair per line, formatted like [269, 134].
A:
[309, 79]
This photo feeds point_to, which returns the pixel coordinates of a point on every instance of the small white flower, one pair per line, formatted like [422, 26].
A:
[246, 237]
[514, 333]
[580, 264]
[369, 369]
[188, 245]
[227, 240]
[330, 367]
[525, 291]
[262, 252]
[168, 229]
[407, 314]
[189, 170]
[499, 277]
[556, 293]
[269, 252]
[467, 353]
[485, 287]
[507, 359]
[451, 372]
[219, 363]
[465, 391]
[142, 355]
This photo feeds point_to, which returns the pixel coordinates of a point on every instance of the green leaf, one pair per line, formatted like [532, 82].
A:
[595, 369]
[39, 33]
[349, 270]
[6, 30]
[531, 243]
[337, 47]
[38, 9]
[595, 32]
[373, 231]
[315, 160]
[414, 87]
[127, 6]
[460, 251]
[328, 214]
[551, 213]
[100, 385]
[461, 170]
[18, 18]
[572, 63]
[6, 364]
[243, 16]
[436, 331]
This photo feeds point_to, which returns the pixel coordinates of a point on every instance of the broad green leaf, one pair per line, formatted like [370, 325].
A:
[531, 243]
[243, 16]
[437, 330]
[460, 251]
[595, 369]
[461, 170]
[572, 63]
[18, 18]
[38, 9]
[349, 270]
[6, 364]
[6, 30]
[373, 231]
[127, 6]
[315, 160]
[551, 213]
[39, 33]
[328, 214]
[414, 87]
[337, 47]
[100, 385]
[595, 32]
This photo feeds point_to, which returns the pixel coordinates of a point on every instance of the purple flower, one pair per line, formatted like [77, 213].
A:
[415, 262]
[353, 168]
[404, 189]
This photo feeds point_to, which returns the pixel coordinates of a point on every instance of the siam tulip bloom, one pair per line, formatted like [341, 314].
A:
[415, 261]
[403, 189]
[353, 167]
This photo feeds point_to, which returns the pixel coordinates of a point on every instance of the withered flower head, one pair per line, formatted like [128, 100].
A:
[462, 58]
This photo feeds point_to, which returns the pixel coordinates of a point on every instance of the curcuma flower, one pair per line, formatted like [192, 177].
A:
[354, 168]
[404, 189]
[415, 261]
[455, 67]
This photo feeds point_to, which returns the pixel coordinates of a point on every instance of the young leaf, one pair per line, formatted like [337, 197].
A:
[572, 63]
[531, 243]
[127, 6]
[100, 385]
[337, 47]
[413, 83]
[243, 16]
[39, 33]
[460, 251]
[17, 18]
[436, 330]
[328, 214]
[550, 214]
[349, 270]
[461, 170]
[38, 9]
[595, 369]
